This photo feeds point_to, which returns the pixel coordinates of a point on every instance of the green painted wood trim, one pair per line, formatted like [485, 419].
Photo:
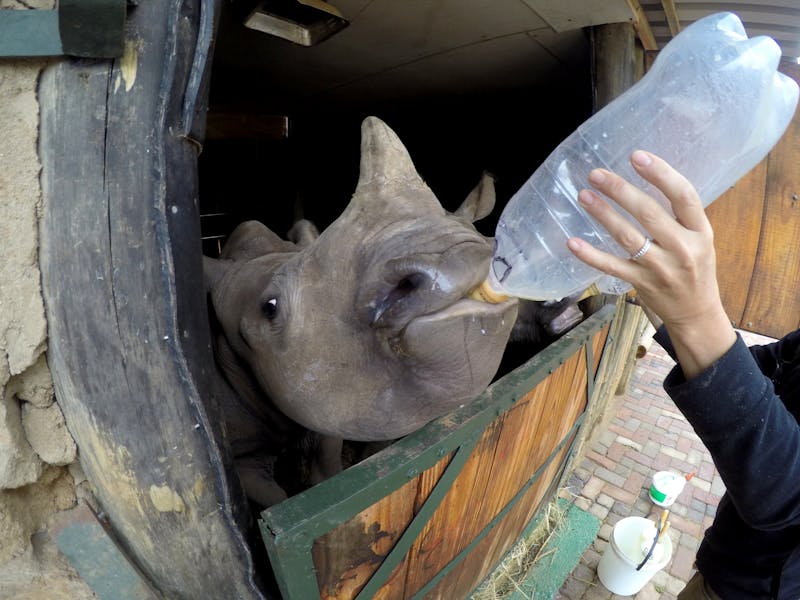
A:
[292, 564]
[81, 28]
[87, 545]
[569, 541]
[29, 33]
[418, 523]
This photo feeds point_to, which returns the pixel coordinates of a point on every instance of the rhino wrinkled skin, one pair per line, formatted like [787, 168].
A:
[365, 332]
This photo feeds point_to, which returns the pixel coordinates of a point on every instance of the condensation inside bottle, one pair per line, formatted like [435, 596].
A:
[530, 249]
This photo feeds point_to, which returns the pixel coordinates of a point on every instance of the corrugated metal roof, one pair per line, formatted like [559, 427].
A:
[779, 19]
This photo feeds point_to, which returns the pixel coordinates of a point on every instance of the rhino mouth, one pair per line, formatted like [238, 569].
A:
[488, 319]
[464, 329]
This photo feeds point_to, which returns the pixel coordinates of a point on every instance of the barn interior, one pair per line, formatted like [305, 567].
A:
[469, 86]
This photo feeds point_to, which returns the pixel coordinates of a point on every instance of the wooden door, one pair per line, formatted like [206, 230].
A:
[757, 238]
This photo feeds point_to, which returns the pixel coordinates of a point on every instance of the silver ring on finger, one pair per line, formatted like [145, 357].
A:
[648, 241]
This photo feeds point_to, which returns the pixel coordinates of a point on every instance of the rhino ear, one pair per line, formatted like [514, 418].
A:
[213, 271]
[480, 201]
[303, 233]
[252, 239]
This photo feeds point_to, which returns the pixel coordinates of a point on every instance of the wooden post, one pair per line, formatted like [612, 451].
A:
[618, 61]
[129, 343]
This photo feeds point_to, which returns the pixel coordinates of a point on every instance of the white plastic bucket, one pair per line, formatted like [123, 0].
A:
[617, 567]
[665, 488]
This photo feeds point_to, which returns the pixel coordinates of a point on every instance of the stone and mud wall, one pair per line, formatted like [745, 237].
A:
[39, 472]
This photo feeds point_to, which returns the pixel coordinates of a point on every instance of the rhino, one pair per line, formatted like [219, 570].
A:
[363, 332]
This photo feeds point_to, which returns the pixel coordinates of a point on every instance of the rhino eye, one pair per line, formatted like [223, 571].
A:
[270, 308]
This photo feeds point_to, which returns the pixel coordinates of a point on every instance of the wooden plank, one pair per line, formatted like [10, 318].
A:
[642, 26]
[461, 511]
[500, 464]
[770, 309]
[552, 409]
[671, 13]
[736, 217]
[530, 432]
[346, 557]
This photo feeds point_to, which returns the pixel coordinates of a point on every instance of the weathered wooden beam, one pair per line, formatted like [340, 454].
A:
[671, 12]
[129, 344]
[642, 26]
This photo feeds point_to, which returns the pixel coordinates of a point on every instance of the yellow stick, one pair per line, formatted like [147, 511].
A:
[663, 532]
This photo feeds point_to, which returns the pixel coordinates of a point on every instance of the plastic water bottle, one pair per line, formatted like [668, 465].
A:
[712, 105]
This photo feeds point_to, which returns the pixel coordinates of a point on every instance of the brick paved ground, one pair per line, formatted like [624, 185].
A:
[644, 433]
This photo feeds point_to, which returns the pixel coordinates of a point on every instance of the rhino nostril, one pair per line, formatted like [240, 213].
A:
[393, 303]
[408, 284]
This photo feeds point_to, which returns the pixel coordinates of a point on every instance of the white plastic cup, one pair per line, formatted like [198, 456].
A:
[665, 488]
[617, 567]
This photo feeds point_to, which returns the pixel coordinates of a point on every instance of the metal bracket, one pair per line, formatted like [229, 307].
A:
[82, 28]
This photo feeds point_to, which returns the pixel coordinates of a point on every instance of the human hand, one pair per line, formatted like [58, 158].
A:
[676, 276]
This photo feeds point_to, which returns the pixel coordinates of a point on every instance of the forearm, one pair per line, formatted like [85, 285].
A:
[696, 345]
[701, 343]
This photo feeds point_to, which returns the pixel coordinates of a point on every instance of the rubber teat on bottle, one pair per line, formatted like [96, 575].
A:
[486, 293]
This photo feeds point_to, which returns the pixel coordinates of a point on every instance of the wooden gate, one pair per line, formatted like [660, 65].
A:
[433, 514]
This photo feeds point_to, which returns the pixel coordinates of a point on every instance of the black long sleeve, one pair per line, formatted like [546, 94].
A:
[745, 408]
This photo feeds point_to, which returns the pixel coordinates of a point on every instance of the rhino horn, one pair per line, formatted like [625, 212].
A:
[386, 167]
[384, 158]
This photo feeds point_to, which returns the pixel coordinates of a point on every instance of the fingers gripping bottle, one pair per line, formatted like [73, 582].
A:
[712, 105]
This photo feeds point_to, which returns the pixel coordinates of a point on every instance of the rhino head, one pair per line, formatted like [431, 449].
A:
[367, 332]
